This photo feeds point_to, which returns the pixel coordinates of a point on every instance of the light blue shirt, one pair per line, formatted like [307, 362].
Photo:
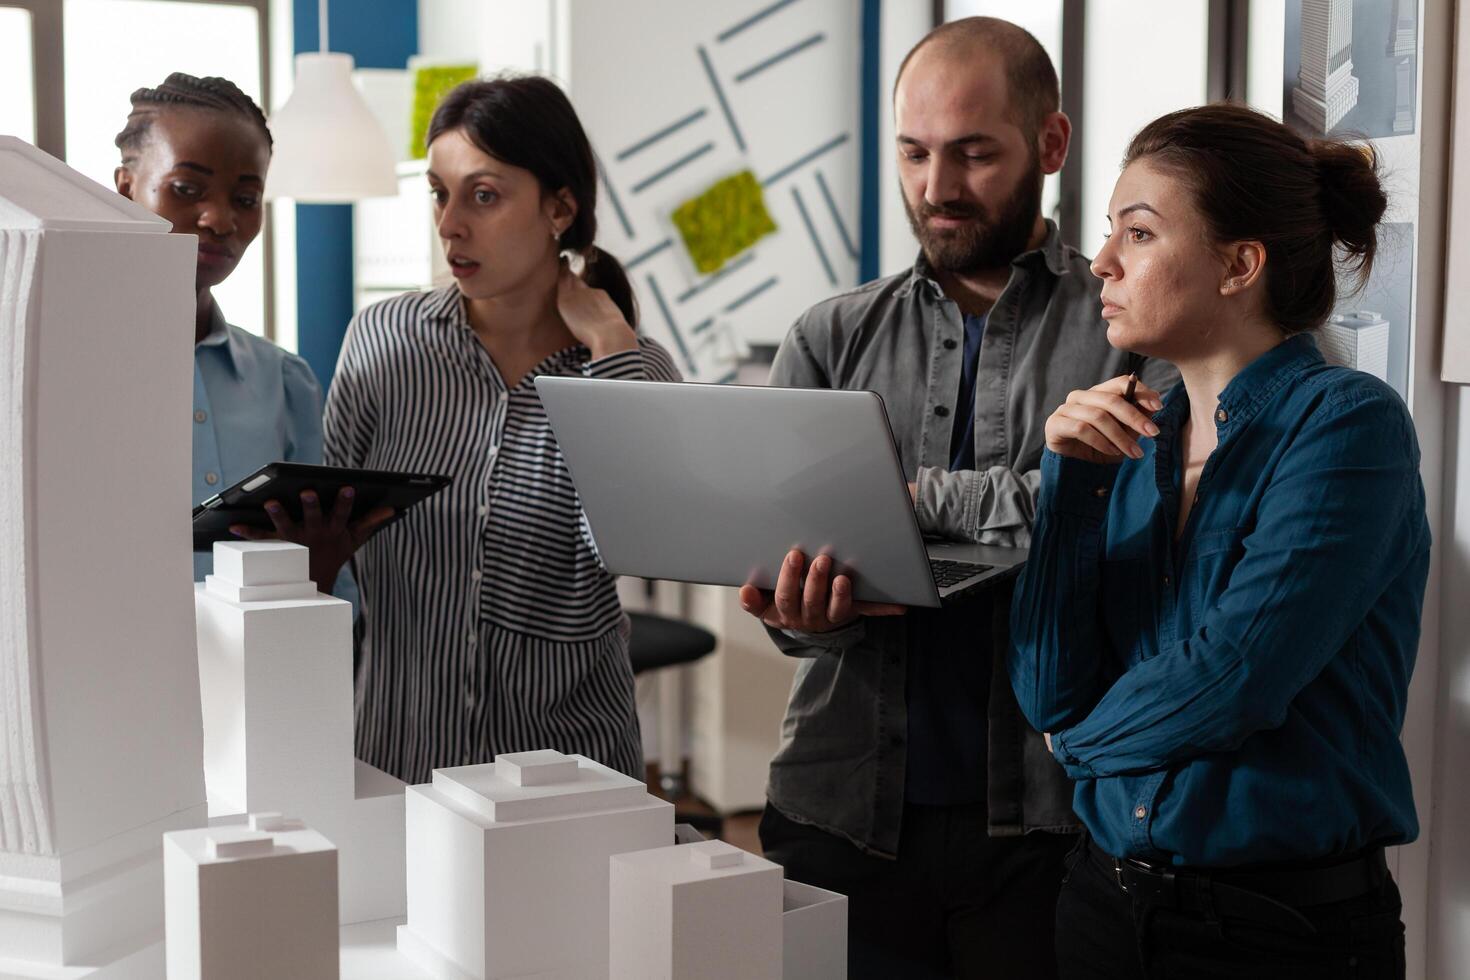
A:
[254, 403]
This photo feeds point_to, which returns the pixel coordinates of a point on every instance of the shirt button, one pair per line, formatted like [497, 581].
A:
[1141, 812]
[483, 510]
[200, 415]
[475, 575]
[950, 345]
[1166, 580]
[470, 636]
[211, 478]
[941, 411]
[1222, 416]
[1100, 492]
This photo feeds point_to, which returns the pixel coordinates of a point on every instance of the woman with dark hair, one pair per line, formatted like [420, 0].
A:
[1220, 613]
[195, 152]
[491, 627]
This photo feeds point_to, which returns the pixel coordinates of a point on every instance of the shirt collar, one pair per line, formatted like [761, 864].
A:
[1051, 251]
[1248, 390]
[220, 336]
[1266, 375]
[444, 304]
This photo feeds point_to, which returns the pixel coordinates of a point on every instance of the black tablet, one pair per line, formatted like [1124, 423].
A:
[244, 503]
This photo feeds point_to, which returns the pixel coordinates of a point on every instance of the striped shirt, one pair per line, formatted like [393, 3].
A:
[489, 625]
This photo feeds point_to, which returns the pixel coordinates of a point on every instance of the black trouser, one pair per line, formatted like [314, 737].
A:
[956, 902]
[1104, 933]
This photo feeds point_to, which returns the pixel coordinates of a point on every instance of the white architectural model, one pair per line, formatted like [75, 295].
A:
[99, 706]
[251, 902]
[1358, 339]
[710, 911]
[1327, 89]
[705, 911]
[1403, 44]
[275, 674]
[814, 933]
[508, 865]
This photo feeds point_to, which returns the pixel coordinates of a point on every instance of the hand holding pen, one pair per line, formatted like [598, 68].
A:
[1103, 424]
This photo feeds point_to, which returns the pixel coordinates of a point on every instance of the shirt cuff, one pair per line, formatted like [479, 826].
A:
[626, 365]
[1075, 486]
[1075, 767]
[945, 503]
[838, 638]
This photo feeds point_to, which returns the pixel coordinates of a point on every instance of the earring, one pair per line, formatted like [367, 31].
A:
[555, 235]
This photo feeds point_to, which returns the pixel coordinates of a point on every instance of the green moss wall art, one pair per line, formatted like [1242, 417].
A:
[723, 221]
[430, 84]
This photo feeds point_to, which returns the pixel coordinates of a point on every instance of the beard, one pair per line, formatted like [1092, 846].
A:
[987, 240]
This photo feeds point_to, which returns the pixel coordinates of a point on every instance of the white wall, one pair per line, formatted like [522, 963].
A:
[1447, 906]
[903, 25]
[1449, 845]
[635, 69]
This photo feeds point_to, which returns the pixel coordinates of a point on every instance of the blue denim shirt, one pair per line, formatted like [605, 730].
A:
[254, 403]
[1235, 697]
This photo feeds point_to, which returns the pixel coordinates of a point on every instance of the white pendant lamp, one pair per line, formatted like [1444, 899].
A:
[329, 147]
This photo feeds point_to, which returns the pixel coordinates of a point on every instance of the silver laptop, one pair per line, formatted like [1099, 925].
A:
[715, 483]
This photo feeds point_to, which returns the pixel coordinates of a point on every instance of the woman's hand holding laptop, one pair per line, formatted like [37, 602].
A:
[818, 605]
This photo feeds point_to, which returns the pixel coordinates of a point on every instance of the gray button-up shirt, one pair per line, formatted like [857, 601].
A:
[843, 751]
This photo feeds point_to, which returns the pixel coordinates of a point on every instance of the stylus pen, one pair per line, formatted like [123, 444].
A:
[1135, 364]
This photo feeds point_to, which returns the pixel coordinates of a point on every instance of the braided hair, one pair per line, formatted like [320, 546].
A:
[185, 91]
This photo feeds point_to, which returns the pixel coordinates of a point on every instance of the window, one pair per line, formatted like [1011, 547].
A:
[163, 36]
[1043, 18]
[1264, 55]
[17, 77]
[1130, 83]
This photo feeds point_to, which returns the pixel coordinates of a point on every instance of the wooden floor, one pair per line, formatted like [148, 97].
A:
[739, 829]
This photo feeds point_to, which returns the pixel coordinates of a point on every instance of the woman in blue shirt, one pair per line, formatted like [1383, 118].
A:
[195, 151]
[1220, 614]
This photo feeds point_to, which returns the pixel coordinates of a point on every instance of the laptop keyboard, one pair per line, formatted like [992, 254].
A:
[947, 573]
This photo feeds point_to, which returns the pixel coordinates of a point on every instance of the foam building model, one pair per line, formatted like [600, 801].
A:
[710, 911]
[704, 911]
[814, 933]
[99, 699]
[250, 902]
[1357, 339]
[275, 679]
[508, 865]
[1327, 89]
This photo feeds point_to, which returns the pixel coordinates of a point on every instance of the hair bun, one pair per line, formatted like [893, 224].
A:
[1353, 200]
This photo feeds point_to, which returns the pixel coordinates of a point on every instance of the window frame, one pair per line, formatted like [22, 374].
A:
[48, 68]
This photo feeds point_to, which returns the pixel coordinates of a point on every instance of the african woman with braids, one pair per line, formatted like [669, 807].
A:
[195, 152]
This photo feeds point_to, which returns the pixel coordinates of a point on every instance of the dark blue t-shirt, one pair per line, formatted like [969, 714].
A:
[950, 658]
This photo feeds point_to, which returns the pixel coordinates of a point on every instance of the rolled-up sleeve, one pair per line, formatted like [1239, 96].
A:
[1331, 533]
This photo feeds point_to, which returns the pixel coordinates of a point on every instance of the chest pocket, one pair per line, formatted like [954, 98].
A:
[1212, 559]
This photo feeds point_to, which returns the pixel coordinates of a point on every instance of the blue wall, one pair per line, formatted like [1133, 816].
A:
[378, 34]
[872, 122]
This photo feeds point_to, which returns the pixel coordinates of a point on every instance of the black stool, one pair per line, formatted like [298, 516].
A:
[658, 642]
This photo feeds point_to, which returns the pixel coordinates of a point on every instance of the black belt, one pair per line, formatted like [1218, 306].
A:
[1271, 895]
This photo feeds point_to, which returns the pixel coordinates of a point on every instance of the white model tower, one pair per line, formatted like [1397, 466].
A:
[99, 696]
[1403, 44]
[251, 902]
[1327, 89]
[710, 911]
[1357, 339]
[275, 676]
[508, 865]
[705, 911]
